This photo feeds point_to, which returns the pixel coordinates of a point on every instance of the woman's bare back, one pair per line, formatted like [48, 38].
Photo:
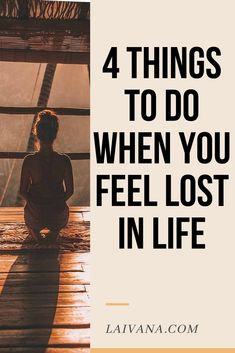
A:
[47, 177]
[46, 184]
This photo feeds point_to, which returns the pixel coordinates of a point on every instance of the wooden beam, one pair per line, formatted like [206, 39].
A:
[20, 155]
[45, 41]
[43, 56]
[35, 110]
[32, 25]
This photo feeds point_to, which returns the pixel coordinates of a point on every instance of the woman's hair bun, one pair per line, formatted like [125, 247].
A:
[46, 126]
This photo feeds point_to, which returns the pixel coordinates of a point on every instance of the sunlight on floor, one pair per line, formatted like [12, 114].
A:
[5, 267]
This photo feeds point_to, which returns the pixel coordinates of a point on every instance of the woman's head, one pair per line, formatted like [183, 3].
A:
[46, 126]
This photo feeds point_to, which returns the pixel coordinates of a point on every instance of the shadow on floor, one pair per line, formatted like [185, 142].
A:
[28, 300]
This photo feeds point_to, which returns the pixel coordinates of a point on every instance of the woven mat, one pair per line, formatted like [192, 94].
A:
[76, 236]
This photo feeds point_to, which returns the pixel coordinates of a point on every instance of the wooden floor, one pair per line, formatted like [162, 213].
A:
[44, 299]
[16, 214]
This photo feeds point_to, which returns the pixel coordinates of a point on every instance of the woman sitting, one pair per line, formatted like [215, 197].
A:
[46, 181]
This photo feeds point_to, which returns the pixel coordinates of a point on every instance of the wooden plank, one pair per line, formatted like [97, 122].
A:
[40, 267]
[21, 155]
[12, 218]
[34, 110]
[16, 214]
[43, 300]
[44, 350]
[44, 278]
[69, 288]
[66, 297]
[42, 318]
[8, 258]
[45, 337]
[75, 257]
[38, 257]
[31, 26]
[21, 209]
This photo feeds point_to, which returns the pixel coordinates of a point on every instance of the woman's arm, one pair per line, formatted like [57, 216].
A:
[25, 179]
[68, 179]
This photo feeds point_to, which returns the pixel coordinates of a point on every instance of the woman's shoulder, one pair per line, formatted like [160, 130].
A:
[63, 157]
[30, 157]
